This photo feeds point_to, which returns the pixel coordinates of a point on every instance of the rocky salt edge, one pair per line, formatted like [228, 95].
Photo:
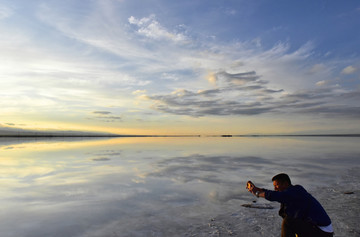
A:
[340, 200]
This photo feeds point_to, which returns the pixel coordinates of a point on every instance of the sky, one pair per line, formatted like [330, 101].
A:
[180, 67]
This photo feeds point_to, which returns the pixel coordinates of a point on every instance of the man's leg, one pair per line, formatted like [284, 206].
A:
[287, 228]
[291, 226]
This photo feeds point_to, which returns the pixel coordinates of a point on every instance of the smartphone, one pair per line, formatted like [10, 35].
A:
[249, 185]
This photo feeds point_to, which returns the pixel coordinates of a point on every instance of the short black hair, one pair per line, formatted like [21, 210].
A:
[282, 178]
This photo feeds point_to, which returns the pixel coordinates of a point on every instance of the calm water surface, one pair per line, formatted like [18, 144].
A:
[151, 186]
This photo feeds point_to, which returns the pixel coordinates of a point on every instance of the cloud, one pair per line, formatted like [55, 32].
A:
[317, 68]
[211, 77]
[139, 92]
[101, 159]
[212, 102]
[105, 116]
[321, 83]
[88, 28]
[169, 76]
[349, 70]
[205, 168]
[102, 112]
[338, 111]
[151, 28]
[253, 97]
[238, 78]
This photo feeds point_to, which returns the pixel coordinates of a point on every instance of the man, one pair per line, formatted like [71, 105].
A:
[302, 214]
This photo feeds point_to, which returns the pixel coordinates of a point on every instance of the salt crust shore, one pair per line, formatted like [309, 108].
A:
[340, 200]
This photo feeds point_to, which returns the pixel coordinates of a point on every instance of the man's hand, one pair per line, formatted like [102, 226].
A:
[254, 190]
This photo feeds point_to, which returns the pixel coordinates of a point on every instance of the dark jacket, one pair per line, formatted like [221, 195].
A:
[296, 202]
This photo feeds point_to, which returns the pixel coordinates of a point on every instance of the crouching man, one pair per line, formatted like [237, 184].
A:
[302, 214]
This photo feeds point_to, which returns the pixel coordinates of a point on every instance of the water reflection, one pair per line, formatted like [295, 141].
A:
[149, 186]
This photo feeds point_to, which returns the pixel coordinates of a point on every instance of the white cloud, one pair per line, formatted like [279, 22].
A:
[89, 29]
[139, 92]
[151, 28]
[279, 65]
[349, 70]
[321, 83]
[169, 76]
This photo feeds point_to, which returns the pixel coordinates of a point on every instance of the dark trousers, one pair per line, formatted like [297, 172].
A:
[291, 226]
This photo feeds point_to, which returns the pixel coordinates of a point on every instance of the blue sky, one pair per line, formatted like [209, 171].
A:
[188, 67]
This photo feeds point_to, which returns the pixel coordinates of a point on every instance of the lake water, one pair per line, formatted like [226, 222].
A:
[168, 186]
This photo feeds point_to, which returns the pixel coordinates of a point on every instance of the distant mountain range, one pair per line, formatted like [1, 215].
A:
[16, 132]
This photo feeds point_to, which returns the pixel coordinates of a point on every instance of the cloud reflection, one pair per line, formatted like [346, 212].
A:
[210, 169]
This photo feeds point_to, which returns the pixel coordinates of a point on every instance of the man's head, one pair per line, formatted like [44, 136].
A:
[281, 182]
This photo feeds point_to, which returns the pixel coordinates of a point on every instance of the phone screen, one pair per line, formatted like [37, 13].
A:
[249, 185]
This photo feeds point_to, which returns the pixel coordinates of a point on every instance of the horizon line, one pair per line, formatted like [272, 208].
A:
[198, 135]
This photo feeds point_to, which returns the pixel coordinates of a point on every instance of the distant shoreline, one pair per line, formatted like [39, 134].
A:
[303, 135]
[115, 135]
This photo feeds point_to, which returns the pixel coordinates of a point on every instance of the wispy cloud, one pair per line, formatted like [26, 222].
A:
[106, 116]
[151, 28]
[102, 112]
[238, 78]
[349, 70]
